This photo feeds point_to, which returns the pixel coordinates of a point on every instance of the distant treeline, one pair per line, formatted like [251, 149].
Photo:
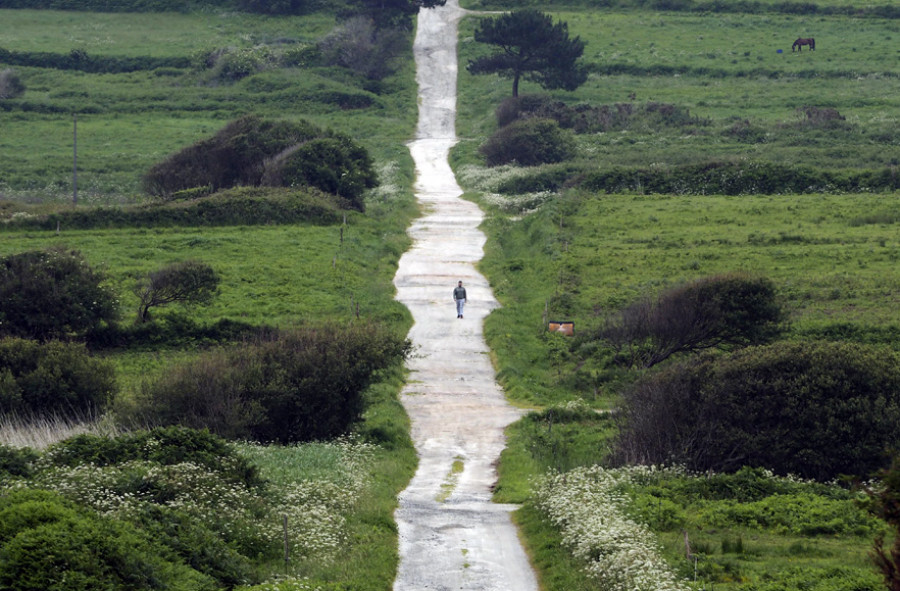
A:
[78, 59]
[715, 6]
[260, 6]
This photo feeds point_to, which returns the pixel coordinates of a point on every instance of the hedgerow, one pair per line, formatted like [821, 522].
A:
[738, 178]
[233, 207]
[816, 410]
[81, 61]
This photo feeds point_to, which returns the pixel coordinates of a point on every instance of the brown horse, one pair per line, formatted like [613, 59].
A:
[799, 43]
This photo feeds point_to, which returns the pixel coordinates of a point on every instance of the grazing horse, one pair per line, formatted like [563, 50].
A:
[799, 43]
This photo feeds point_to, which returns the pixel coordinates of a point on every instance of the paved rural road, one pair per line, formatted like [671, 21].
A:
[451, 535]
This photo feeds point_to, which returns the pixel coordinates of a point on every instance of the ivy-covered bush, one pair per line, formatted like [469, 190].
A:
[815, 410]
[302, 385]
[52, 294]
[236, 155]
[53, 378]
[529, 142]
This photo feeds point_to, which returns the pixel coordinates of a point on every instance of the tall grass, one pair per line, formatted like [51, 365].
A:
[39, 432]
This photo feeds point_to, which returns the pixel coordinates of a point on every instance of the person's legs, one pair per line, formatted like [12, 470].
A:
[459, 308]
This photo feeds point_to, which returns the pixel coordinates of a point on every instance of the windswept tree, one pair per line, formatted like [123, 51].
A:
[716, 312]
[530, 46]
[187, 282]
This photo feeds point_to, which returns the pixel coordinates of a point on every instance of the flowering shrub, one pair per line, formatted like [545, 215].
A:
[214, 522]
[588, 506]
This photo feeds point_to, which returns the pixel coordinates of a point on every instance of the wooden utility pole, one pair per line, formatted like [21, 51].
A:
[74, 159]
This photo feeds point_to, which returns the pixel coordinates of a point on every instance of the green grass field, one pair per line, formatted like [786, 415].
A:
[572, 256]
[576, 256]
[129, 121]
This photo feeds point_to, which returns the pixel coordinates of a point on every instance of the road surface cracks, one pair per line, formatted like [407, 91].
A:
[452, 536]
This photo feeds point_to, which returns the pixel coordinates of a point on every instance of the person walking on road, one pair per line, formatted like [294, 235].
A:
[459, 296]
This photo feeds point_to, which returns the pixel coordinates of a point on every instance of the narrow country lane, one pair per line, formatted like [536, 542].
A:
[451, 536]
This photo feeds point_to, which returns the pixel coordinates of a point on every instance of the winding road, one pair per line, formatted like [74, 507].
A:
[452, 536]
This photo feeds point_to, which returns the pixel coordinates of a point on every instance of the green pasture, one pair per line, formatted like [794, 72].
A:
[723, 69]
[585, 255]
[152, 34]
[129, 121]
[270, 275]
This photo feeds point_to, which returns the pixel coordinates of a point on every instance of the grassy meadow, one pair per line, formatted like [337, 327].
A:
[128, 121]
[576, 255]
[572, 255]
[278, 275]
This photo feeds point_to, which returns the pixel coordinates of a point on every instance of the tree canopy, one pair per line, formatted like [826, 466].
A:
[393, 13]
[532, 47]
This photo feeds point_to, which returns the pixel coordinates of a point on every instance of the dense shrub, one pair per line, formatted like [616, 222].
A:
[10, 84]
[301, 385]
[528, 143]
[359, 45]
[53, 378]
[15, 461]
[584, 118]
[52, 294]
[336, 165]
[47, 544]
[720, 311]
[236, 155]
[161, 445]
[816, 410]
[232, 64]
[252, 151]
[738, 178]
[186, 282]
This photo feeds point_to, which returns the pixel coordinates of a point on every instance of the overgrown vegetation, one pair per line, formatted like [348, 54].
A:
[306, 384]
[251, 151]
[170, 508]
[528, 143]
[54, 378]
[717, 312]
[52, 294]
[813, 410]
